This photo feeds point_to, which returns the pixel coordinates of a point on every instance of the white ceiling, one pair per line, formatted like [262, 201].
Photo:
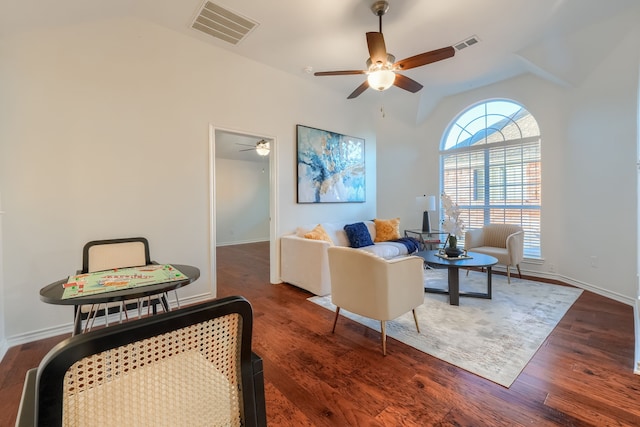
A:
[559, 40]
[236, 146]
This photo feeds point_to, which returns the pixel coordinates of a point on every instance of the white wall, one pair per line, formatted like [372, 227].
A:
[589, 138]
[104, 131]
[242, 202]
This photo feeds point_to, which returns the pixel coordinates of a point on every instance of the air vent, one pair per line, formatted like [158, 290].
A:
[466, 43]
[222, 23]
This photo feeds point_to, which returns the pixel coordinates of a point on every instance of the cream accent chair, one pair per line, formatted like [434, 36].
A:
[370, 286]
[502, 241]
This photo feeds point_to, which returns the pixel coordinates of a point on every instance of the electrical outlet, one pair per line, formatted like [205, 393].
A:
[552, 268]
[594, 261]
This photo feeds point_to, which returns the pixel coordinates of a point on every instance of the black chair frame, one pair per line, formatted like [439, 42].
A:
[43, 391]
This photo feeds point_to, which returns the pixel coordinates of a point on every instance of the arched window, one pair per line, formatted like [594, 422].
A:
[490, 166]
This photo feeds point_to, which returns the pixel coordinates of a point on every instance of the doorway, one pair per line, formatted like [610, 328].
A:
[242, 192]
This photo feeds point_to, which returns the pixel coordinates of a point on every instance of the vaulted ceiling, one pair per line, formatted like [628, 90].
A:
[559, 40]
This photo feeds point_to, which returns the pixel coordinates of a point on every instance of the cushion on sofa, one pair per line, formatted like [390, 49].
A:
[383, 250]
[358, 235]
[387, 229]
[336, 232]
[318, 233]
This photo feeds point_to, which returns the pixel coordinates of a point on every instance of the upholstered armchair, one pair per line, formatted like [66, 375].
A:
[502, 241]
[370, 286]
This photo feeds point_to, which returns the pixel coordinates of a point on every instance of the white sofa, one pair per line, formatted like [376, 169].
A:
[305, 262]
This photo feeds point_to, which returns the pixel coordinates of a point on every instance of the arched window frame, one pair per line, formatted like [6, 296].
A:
[498, 139]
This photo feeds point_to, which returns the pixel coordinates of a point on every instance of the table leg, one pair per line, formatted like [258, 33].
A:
[77, 320]
[489, 281]
[454, 286]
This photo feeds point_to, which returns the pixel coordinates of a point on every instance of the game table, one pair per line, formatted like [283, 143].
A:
[118, 285]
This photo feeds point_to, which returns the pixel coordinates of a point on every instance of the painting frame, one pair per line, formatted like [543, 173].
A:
[330, 167]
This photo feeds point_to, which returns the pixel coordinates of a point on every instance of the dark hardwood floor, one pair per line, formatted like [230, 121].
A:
[581, 376]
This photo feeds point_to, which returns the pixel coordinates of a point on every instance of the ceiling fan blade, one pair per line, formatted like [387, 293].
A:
[377, 48]
[425, 58]
[339, 73]
[248, 149]
[406, 83]
[364, 86]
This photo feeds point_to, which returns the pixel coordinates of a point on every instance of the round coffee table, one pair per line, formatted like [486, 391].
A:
[473, 259]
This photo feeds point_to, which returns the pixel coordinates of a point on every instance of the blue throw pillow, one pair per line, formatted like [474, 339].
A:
[358, 235]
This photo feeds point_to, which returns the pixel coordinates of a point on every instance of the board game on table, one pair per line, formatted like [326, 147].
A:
[120, 278]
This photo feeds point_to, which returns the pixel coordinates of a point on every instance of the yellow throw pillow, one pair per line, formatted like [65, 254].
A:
[318, 233]
[387, 229]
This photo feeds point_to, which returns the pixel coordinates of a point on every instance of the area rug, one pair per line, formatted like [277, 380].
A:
[494, 338]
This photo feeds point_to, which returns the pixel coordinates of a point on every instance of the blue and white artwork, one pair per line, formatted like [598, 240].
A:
[330, 167]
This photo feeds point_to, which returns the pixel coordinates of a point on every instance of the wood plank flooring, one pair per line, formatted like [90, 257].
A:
[582, 375]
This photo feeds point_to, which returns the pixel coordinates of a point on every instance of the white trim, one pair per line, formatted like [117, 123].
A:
[241, 242]
[67, 328]
[4, 347]
[212, 211]
[274, 255]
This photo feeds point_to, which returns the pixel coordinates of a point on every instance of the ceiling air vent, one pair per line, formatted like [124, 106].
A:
[222, 24]
[470, 41]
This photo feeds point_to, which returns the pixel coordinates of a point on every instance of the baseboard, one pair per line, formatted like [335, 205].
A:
[67, 328]
[4, 347]
[573, 282]
[243, 242]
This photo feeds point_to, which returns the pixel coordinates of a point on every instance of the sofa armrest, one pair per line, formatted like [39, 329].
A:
[515, 247]
[304, 263]
[406, 276]
[473, 238]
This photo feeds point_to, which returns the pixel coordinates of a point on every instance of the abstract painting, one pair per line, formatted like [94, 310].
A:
[330, 167]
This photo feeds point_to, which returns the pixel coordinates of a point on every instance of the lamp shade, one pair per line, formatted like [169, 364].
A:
[426, 203]
[263, 148]
[381, 79]
[431, 203]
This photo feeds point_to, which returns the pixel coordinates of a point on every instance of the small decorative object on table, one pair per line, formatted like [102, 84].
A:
[453, 225]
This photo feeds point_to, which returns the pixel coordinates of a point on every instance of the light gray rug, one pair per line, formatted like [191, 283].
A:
[494, 338]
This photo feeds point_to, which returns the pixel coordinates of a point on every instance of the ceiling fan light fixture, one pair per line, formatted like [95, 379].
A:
[381, 79]
[263, 148]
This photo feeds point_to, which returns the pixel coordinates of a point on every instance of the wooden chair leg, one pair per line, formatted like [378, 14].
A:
[415, 318]
[383, 328]
[335, 320]
[508, 275]
[519, 272]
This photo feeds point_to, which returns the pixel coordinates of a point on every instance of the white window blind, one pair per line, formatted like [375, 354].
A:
[494, 173]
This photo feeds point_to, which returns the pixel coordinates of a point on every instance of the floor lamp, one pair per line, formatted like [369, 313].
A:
[427, 204]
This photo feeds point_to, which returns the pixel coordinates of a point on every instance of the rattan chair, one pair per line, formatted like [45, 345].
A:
[188, 367]
[99, 255]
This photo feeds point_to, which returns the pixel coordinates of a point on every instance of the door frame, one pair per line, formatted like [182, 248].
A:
[274, 273]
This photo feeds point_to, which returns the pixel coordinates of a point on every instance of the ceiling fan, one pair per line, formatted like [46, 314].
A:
[382, 70]
[262, 147]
